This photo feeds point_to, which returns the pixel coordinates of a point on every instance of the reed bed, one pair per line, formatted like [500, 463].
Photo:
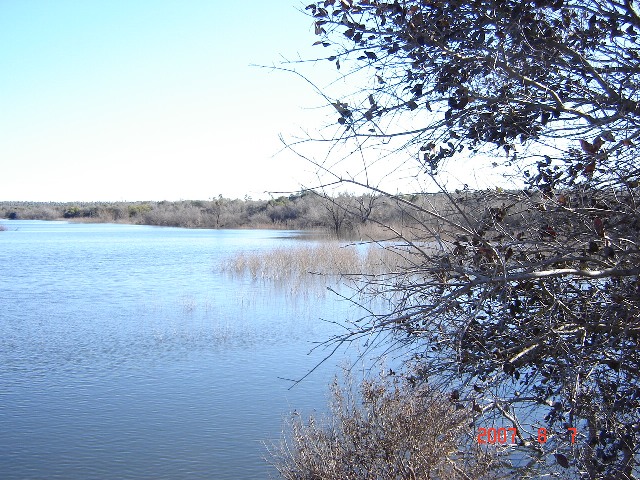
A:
[326, 259]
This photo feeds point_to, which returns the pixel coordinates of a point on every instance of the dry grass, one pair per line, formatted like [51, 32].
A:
[389, 429]
[376, 232]
[325, 259]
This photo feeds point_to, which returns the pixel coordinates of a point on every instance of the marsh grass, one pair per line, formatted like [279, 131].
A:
[324, 259]
[188, 303]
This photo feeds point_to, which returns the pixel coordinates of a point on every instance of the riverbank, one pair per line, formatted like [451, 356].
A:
[366, 217]
[344, 215]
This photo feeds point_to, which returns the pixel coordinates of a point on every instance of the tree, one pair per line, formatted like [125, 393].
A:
[529, 299]
[498, 73]
[336, 212]
[217, 206]
[364, 205]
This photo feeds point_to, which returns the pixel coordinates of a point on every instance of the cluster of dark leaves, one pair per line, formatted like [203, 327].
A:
[540, 296]
[565, 347]
[498, 72]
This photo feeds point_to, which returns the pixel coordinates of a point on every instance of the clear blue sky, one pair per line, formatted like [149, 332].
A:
[150, 99]
[104, 100]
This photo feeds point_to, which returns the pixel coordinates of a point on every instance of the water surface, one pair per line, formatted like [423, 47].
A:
[125, 353]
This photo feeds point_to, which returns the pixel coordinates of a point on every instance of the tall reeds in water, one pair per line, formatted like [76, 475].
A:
[327, 259]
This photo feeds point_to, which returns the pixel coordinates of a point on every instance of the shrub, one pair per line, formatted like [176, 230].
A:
[139, 209]
[72, 212]
[391, 428]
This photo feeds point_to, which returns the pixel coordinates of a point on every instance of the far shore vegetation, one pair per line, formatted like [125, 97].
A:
[346, 215]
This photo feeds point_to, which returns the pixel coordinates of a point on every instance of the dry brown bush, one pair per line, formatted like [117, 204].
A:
[389, 428]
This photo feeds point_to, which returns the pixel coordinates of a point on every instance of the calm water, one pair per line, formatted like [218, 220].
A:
[125, 354]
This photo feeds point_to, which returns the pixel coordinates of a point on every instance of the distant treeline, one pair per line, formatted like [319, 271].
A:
[303, 210]
[346, 215]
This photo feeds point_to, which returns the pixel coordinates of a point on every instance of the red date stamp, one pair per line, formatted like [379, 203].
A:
[503, 436]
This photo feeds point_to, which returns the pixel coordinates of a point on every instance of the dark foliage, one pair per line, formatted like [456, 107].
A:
[530, 299]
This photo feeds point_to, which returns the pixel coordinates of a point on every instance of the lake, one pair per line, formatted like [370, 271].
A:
[126, 353]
